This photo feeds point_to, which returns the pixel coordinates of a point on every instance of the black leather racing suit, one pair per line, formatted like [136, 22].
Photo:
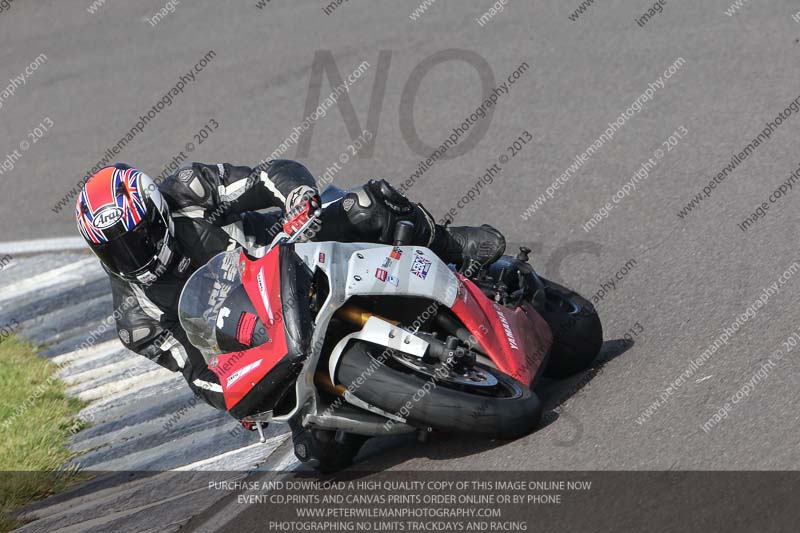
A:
[214, 208]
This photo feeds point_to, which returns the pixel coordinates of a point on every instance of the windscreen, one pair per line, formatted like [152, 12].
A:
[202, 300]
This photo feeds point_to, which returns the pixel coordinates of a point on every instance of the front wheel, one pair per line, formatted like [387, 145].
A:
[323, 450]
[577, 331]
[499, 407]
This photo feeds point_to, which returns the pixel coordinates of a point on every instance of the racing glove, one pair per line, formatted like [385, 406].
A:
[300, 206]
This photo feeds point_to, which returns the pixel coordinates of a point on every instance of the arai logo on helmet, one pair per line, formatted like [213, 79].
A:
[107, 216]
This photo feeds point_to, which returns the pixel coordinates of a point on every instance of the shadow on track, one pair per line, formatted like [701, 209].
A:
[554, 393]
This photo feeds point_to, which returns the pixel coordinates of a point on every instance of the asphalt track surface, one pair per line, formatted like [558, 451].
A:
[693, 275]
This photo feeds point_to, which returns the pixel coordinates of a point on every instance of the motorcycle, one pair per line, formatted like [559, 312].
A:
[346, 341]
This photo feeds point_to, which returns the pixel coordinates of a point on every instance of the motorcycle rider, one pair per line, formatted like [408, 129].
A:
[151, 237]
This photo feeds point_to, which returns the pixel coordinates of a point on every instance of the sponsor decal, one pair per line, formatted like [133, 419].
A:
[183, 264]
[229, 268]
[396, 254]
[321, 257]
[245, 328]
[381, 274]
[185, 175]
[397, 208]
[236, 376]
[223, 314]
[348, 203]
[165, 254]
[462, 291]
[394, 280]
[262, 289]
[214, 362]
[387, 262]
[221, 288]
[219, 291]
[146, 277]
[124, 336]
[420, 267]
[506, 327]
[107, 216]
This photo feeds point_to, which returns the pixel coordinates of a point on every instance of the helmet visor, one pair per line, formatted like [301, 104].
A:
[136, 249]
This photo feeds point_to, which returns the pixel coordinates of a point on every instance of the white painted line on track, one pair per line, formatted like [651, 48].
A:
[167, 385]
[98, 351]
[119, 367]
[286, 463]
[73, 273]
[124, 386]
[238, 459]
[38, 246]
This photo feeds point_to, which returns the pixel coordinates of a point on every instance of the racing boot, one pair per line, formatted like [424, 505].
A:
[457, 244]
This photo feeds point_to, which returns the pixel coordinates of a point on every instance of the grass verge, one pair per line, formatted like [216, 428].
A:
[36, 419]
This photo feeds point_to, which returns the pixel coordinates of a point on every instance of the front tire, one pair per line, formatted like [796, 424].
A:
[577, 331]
[514, 412]
[324, 450]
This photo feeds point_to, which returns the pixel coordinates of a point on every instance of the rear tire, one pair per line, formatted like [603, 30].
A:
[442, 407]
[577, 332]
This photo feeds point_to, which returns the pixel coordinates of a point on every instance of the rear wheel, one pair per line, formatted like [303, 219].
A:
[577, 331]
[482, 402]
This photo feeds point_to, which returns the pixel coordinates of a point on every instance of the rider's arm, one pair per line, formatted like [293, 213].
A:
[278, 183]
[224, 189]
[139, 327]
[143, 329]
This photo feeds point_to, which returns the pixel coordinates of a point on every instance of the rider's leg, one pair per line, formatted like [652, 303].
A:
[370, 213]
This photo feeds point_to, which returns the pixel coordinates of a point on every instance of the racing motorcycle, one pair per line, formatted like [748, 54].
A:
[345, 341]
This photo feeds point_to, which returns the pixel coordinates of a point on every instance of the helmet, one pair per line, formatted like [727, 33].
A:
[126, 223]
